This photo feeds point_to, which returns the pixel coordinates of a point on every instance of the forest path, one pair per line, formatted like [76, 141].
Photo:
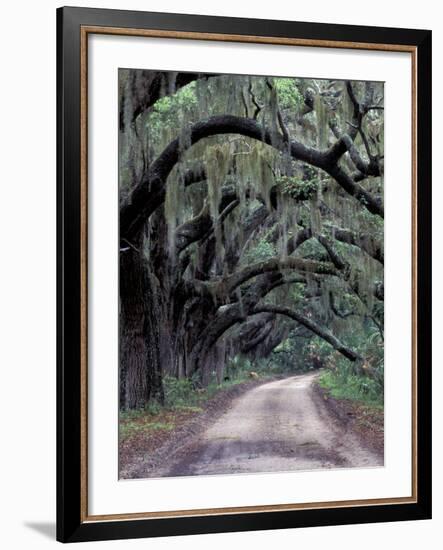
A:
[278, 426]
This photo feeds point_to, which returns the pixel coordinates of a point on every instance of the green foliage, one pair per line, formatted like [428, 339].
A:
[153, 408]
[312, 249]
[169, 116]
[348, 380]
[343, 385]
[297, 188]
[262, 251]
[240, 366]
[179, 392]
[299, 354]
[143, 422]
[179, 104]
[289, 96]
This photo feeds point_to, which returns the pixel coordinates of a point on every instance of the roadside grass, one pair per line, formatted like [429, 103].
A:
[182, 401]
[358, 399]
[143, 423]
[359, 389]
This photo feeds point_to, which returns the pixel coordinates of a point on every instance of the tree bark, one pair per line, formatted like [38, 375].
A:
[140, 362]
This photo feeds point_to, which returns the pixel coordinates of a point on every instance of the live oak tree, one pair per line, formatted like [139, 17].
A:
[251, 211]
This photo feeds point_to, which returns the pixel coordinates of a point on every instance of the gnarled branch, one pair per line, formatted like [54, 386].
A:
[312, 326]
[146, 195]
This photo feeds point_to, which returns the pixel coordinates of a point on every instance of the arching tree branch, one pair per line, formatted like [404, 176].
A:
[365, 242]
[146, 196]
[311, 325]
[197, 228]
[229, 284]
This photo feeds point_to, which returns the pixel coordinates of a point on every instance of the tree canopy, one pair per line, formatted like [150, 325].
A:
[251, 224]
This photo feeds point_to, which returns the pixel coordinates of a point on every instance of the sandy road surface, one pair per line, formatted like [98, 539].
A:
[278, 426]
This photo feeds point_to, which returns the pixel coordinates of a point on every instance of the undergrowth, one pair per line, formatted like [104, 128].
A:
[350, 386]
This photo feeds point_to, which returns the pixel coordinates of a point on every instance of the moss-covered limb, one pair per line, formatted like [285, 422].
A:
[293, 242]
[266, 283]
[371, 202]
[358, 126]
[276, 264]
[335, 257]
[292, 280]
[273, 339]
[251, 343]
[345, 139]
[193, 229]
[358, 176]
[359, 280]
[369, 244]
[253, 325]
[345, 144]
[353, 312]
[228, 315]
[239, 311]
[146, 195]
[298, 239]
[249, 308]
[198, 227]
[192, 176]
[309, 323]
[251, 333]
[366, 289]
[337, 311]
[233, 248]
[240, 239]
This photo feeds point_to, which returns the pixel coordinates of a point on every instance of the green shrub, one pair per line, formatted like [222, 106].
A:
[343, 385]
[179, 392]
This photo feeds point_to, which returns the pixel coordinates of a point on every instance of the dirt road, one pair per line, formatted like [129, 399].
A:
[278, 426]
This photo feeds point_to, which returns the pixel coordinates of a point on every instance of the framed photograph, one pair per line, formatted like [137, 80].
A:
[244, 274]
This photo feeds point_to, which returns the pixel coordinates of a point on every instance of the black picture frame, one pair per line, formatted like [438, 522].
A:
[71, 523]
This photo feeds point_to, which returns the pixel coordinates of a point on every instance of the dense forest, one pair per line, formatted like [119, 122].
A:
[251, 228]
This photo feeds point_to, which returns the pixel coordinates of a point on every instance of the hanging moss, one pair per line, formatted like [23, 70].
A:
[321, 112]
[131, 141]
[217, 162]
[184, 139]
[316, 221]
[257, 172]
[174, 207]
[287, 225]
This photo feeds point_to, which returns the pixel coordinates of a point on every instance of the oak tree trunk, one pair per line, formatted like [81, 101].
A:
[140, 365]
